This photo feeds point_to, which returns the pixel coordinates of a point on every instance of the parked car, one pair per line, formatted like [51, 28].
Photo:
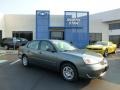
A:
[103, 47]
[59, 55]
[13, 42]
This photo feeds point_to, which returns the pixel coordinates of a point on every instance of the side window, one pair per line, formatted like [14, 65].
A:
[46, 45]
[33, 45]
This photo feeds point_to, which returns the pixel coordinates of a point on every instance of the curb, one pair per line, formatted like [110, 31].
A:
[8, 52]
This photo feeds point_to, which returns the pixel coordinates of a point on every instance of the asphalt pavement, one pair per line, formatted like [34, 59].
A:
[13, 76]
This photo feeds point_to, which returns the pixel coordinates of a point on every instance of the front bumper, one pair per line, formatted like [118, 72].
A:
[93, 71]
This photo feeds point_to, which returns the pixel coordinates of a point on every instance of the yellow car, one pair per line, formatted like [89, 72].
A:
[103, 47]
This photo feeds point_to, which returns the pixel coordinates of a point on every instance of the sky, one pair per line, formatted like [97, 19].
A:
[57, 6]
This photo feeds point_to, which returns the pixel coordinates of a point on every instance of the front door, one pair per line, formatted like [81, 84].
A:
[47, 54]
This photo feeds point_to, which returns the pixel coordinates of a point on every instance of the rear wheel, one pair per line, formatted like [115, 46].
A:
[25, 61]
[69, 72]
[114, 51]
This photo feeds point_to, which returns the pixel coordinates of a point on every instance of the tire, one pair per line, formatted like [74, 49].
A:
[71, 75]
[6, 47]
[25, 61]
[105, 53]
[114, 52]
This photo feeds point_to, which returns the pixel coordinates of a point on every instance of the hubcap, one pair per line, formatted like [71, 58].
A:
[68, 72]
[25, 62]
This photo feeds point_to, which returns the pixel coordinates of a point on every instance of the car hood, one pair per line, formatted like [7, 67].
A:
[85, 55]
[83, 52]
[95, 46]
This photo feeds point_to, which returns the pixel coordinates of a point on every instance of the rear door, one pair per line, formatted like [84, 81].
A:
[33, 51]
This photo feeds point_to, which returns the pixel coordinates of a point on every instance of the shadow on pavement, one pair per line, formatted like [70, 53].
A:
[113, 73]
[53, 81]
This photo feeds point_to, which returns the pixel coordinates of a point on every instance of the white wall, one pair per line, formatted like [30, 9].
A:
[57, 20]
[100, 22]
[97, 26]
[114, 32]
[27, 23]
[2, 25]
[19, 23]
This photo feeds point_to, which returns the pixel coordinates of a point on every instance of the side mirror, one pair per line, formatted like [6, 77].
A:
[50, 50]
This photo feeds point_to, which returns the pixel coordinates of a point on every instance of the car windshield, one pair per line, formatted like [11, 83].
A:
[63, 46]
[101, 43]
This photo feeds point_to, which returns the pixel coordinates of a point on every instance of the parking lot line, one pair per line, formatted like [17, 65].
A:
[14, 62]
[3, 61]
[2, 54]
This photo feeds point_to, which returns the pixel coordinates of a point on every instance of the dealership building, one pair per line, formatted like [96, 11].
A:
[77, 27]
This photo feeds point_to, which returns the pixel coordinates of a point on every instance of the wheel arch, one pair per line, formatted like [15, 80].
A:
[24, 55]
[64, 62]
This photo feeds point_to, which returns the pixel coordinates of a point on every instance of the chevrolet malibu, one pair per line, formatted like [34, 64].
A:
[63, 57]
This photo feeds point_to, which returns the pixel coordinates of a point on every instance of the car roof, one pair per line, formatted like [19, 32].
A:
[51, 40]
[48, 40]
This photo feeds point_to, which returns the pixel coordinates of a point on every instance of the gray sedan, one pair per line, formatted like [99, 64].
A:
[61, 56]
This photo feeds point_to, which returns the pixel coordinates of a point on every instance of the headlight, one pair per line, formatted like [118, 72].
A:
[92, 59]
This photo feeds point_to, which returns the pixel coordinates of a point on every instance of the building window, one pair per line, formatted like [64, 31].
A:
[23, 34]
[93, 37]
[114, 26]
[0, 36]
[57, 35]
[115, 39]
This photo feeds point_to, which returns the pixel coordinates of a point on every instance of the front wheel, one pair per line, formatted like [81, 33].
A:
[69, 72]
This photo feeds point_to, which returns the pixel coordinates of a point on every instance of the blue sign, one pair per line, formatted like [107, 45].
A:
[77, 28]
[42, 24]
